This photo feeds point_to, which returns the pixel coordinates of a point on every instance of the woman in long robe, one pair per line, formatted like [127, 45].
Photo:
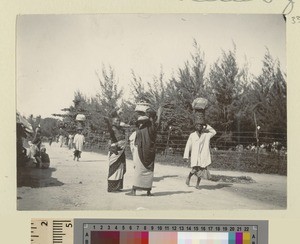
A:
[116, 156]
[143, 151]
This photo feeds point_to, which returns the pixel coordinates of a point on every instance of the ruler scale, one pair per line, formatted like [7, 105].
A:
[52, 231]
[121, 231]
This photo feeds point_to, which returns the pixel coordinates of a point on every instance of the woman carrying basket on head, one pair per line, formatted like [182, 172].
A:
[116, 154]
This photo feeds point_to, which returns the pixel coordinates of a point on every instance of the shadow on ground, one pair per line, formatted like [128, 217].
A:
[215, 187]
[157, 179]
[168, 193]
[232, 179]
[90, 161]
[35, 177]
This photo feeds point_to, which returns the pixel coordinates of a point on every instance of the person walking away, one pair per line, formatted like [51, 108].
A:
[198, 145]
[61, 140]
[116, 154]
[70, 142]
[79, 140]
[143, 142]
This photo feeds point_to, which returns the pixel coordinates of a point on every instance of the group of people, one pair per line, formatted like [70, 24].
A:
[63, 140]
[73, 142]
[38, 152]
[142, 145]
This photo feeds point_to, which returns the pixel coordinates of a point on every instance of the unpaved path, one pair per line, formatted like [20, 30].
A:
[71, 185]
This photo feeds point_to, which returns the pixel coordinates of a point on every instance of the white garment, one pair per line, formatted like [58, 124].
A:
[78, 141]
[142, 177]
[132, 140]
[199, 148]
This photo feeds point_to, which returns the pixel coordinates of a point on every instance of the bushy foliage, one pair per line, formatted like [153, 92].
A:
[234, 96]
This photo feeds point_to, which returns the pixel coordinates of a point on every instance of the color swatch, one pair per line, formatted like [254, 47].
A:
[144, 237]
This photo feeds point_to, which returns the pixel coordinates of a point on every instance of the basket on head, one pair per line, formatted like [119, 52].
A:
[142, 107]
[80, 117]
[200, 103]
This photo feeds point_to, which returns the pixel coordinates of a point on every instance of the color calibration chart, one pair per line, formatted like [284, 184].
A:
[133, 231]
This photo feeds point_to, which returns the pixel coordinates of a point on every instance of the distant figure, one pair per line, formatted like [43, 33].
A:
[61, 140]
[198, 145]
[70, 142]
[116, 154]
[50, 140]
[37, 142]
[78, 144]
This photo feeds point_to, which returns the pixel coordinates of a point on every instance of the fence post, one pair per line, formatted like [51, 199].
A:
[168, 139]
[257, 127]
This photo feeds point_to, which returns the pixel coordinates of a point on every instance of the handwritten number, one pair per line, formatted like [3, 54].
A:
[296, 19]
[293, 20]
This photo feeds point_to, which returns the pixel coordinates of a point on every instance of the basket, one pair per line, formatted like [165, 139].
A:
[80, 117]
[142, 107]
[199, 103]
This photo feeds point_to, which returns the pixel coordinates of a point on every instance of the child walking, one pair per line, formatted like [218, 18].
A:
[79, 140]
[198, 145]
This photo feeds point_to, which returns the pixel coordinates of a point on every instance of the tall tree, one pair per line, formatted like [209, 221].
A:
[225, 81]
[269, 96]
[153, 92]
[182, 90]
[110, 93]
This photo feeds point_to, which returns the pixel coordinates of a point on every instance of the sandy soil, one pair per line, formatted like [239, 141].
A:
[72, 185]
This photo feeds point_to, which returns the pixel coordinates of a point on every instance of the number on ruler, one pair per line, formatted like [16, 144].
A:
[44, 223]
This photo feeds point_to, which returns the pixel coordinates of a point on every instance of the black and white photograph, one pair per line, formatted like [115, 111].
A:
[151, 112]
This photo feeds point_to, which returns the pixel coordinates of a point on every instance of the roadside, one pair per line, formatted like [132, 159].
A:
[72, 185]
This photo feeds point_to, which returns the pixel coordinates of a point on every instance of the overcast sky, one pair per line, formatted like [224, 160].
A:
[59, 54]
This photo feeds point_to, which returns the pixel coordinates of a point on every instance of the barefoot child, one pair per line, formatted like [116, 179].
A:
[78, 141]
[198, 146]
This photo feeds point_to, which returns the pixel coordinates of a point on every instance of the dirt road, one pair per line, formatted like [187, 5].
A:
[71, 185]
